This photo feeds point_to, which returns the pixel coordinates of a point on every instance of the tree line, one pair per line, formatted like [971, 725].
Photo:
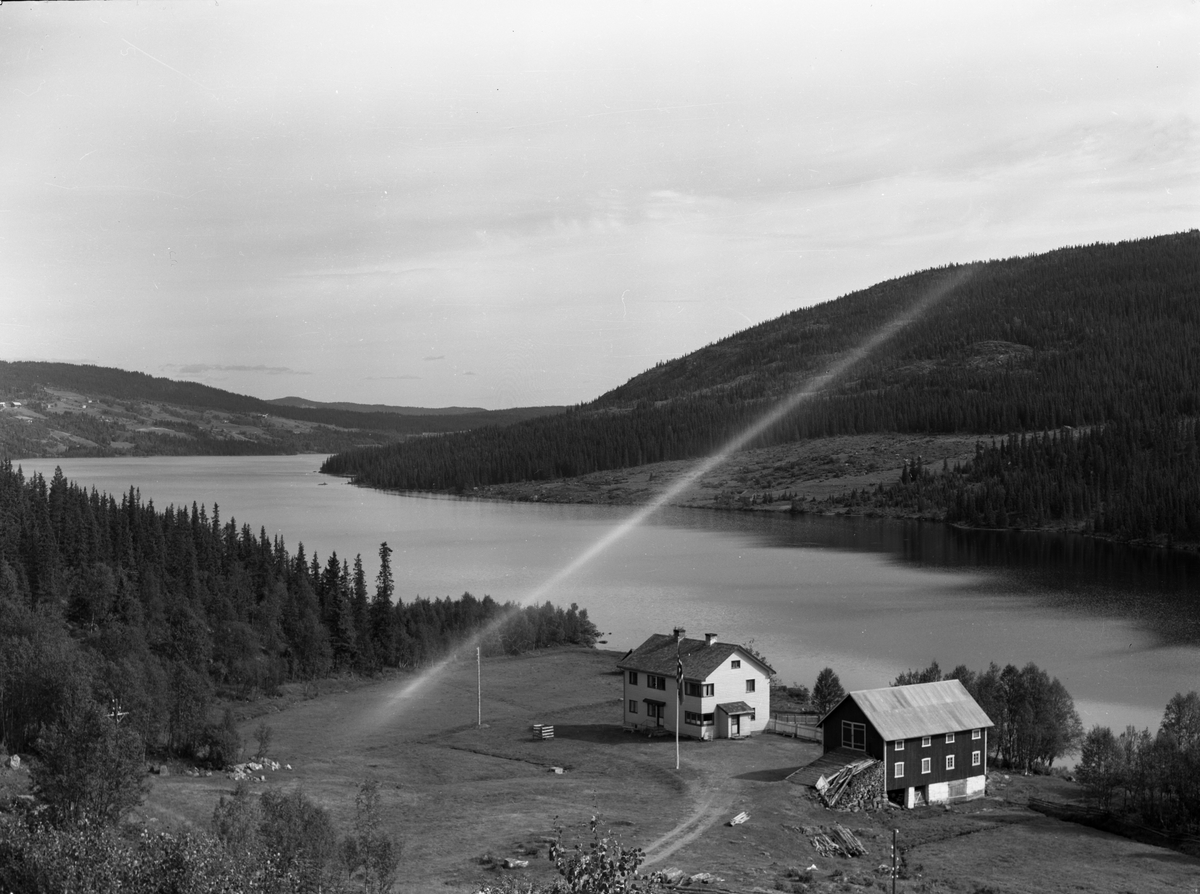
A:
[1151, 778]
[1129, 479]
[147, 615]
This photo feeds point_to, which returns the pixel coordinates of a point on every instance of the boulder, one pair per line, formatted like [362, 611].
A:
[13, 762]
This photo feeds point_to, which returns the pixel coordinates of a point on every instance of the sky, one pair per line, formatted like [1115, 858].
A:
[521, 204]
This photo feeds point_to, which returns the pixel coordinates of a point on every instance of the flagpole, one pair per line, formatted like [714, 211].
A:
[679, 631]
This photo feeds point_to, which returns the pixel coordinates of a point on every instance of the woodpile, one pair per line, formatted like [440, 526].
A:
[838, 842]
[857, 786]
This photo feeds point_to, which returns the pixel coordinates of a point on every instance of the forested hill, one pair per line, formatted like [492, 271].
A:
[1075, 337]
[94, 410]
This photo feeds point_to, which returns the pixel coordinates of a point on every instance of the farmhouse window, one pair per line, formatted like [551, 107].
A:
[633, 706]
[975, 734]
[749, 685]
[974, 758]
[752, 714]
[898, 745]
[854, 735]
[926, 765]
[925, 742]
[949, 738]
[691, 717]
[633, 678]
[736, 663]
[656, 682]
[899, 769]
[709, 719]
[701, 690]
[949, 761]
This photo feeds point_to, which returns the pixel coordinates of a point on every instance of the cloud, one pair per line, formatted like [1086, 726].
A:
[387, 378]
[435, 357]
[196, 369]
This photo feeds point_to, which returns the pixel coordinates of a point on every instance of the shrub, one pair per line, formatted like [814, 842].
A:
[88, 768]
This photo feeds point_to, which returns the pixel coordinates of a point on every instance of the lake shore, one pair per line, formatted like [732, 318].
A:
[797, 477]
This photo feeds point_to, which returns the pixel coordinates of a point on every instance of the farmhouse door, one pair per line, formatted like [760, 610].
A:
[735, 725]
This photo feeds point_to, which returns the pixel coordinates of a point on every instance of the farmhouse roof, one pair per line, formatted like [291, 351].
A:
[732, 708]
[657, 656]
[921, 709]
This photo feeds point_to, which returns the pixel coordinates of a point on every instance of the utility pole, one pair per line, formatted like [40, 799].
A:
[479, 685]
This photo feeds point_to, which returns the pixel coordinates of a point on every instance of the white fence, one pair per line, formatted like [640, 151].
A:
[810, 732]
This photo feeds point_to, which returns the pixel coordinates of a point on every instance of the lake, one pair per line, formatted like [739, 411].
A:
[868, 597]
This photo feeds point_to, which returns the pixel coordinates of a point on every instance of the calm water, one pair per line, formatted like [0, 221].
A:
[870, 598]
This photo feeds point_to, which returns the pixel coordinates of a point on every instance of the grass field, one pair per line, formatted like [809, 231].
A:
[462, 798]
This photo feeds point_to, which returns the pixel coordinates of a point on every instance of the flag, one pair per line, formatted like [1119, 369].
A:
[679, 676]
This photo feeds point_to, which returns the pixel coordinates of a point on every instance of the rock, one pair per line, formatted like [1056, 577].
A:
[556, 770]
[513, 863]
[13, 762]
[673, 875]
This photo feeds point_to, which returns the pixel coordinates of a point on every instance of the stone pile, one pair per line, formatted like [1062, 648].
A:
[252, 770]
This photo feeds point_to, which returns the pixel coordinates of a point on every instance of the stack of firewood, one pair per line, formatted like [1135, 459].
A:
[838, 842]
[857, 785]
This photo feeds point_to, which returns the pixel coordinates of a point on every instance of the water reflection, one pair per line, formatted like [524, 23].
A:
[1158, 589]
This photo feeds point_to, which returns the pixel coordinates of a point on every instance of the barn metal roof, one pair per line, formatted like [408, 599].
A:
[921, 709]
[657, 656]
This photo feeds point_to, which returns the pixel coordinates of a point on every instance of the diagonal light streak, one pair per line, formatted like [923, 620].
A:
[789, 404]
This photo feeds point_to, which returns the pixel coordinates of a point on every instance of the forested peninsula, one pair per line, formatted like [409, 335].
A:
[1073, 374]
[112, 607]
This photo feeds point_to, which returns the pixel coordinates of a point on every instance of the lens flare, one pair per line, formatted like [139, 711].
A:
[953, 280]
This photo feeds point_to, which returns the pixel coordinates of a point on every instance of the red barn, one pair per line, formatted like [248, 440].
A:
[931, 737]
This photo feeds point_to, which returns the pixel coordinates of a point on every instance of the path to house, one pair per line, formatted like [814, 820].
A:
[461, 798]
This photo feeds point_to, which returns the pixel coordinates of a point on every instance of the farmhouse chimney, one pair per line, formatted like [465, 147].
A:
[709, 639]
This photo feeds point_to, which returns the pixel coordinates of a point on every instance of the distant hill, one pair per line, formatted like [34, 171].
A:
[78, 409]
[1078, 337]
[375, 408]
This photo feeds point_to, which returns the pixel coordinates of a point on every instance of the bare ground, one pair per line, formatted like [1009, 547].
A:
[811, 470]
[461, 798]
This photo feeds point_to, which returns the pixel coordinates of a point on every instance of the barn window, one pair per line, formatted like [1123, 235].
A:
[633, 706]
[949, 761]
[854, 735]
[975, 734]
[926, 765]
[974, 758]
[899, 769]
[949, 738]
[736, 663]
[898, 745]
[633, 678]
[925, 742]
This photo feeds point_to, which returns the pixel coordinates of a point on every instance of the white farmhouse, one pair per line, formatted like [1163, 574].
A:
[726, 689]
